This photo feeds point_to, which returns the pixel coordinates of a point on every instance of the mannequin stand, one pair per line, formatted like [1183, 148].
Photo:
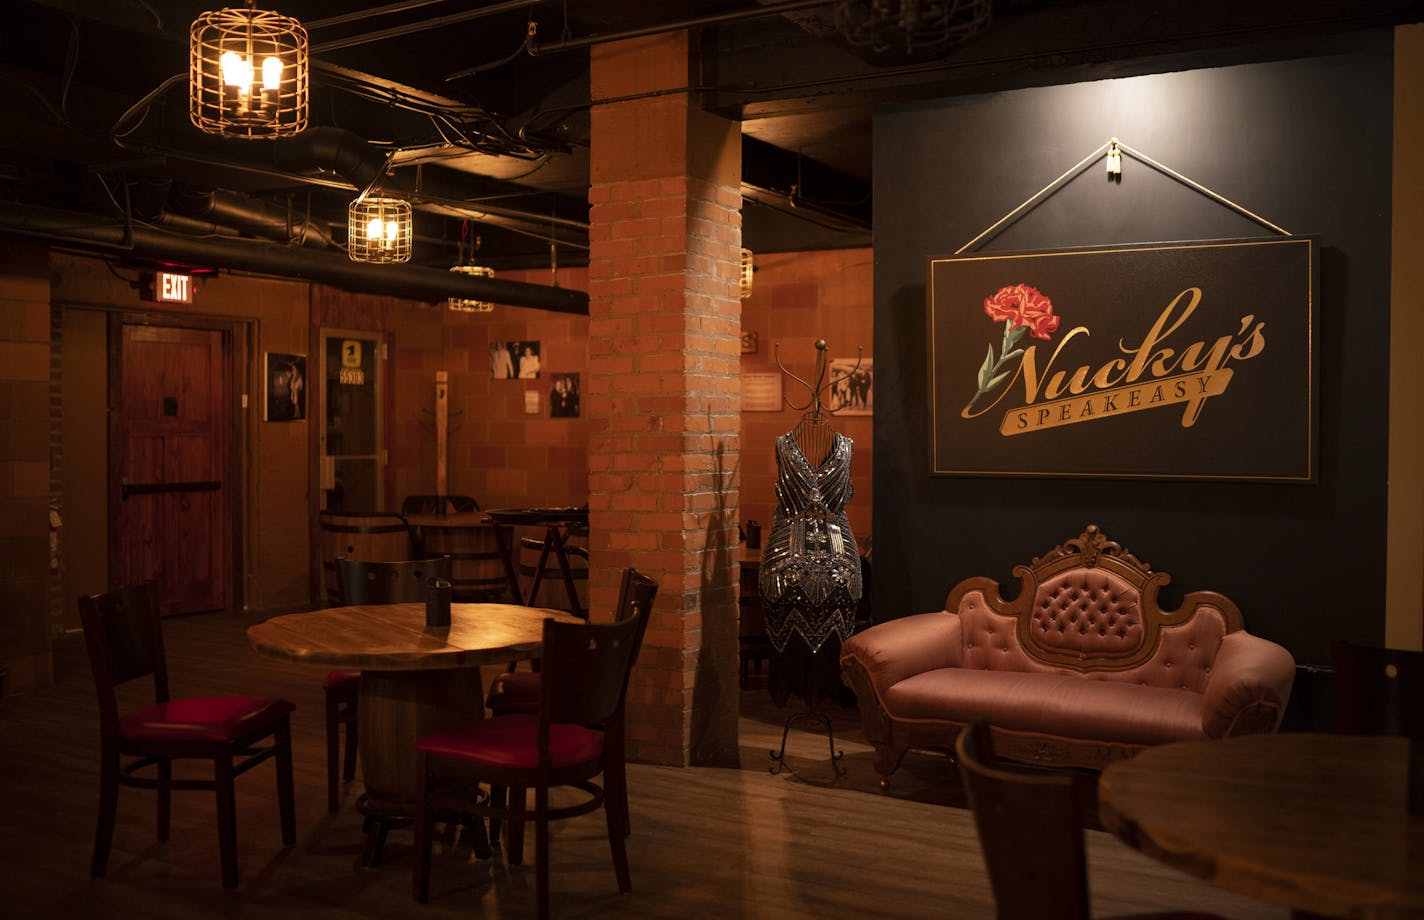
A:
[799, 718]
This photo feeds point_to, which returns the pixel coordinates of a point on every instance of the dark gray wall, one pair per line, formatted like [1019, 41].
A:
[1304, 143]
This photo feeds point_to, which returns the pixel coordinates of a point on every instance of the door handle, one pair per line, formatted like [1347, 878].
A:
[160, 488]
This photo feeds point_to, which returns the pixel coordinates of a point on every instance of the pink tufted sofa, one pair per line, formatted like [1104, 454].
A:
[1082, 668]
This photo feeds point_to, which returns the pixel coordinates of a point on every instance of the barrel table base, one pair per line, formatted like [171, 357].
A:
[401, 707]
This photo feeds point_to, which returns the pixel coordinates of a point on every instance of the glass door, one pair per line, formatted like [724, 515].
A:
[353, 453]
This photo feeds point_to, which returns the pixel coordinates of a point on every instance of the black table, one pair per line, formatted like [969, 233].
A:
[556, 523]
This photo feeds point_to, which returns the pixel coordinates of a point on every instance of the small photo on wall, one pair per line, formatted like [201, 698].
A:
[286, 382]
[564, 396]
[852, 386]
[517, 359]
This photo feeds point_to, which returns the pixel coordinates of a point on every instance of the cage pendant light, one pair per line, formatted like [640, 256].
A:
[379, 230]
[471, 306]
[745, 279]
[248, 74]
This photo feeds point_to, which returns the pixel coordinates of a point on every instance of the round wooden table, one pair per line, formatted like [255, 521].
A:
[414, 680]
[1316, 822]
[556, 523]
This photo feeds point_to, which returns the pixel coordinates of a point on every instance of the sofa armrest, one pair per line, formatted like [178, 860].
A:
[896, 649]
[1249, 687]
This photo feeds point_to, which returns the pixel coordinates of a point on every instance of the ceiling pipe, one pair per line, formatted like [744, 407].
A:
[412, 282]
[251, 215]
[423, 25]
[358, 162]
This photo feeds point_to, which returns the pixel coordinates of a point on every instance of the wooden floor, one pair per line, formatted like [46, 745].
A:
[707, 842]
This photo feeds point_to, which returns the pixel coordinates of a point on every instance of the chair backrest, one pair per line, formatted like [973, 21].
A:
[1030, 831]
[586, 666]
[434, 504]
[1378, 691]
[376, 535]
[124, 635]
[371, 582]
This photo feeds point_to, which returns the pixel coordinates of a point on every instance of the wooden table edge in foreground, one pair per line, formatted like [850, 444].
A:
[1315, 822]
[414, 679]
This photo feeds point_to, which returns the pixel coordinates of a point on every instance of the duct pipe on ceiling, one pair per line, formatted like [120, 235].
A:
[408, 281]
[259, 218]
[358, 162]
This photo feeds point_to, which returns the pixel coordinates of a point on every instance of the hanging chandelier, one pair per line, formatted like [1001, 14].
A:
[379, 230]
[248, 74]
[745, 277]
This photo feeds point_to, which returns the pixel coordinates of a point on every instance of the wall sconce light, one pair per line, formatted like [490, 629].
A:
[746, 275]
[379, 230]
[248, 74]
[471, 306]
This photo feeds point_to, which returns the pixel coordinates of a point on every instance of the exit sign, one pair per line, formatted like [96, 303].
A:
[173, 288]
[168, 287]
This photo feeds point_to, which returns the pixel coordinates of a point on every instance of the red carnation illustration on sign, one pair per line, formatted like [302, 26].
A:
[1019, 307]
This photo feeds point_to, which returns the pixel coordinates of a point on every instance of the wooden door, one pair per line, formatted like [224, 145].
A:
[169, 442]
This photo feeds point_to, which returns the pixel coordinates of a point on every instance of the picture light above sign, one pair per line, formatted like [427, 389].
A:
[1192, 360]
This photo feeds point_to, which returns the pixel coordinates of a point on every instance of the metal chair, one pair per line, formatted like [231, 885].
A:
[124, 636]
[577, 735]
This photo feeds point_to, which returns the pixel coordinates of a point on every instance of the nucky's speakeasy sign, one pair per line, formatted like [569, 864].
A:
[1176, 360]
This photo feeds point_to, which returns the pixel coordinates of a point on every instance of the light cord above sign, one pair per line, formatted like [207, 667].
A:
[1112, 151]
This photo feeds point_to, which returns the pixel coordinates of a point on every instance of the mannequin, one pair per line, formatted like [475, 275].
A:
[810, 577]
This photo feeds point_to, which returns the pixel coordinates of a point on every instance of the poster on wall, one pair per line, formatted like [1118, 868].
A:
[1191, 360]
[285, 399]
[852, 386]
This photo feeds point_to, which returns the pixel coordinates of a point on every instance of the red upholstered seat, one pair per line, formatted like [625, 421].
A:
[124, 636]
[514, 691]
[584, 683]
[513, 741]
[342, 680]
[215, 719]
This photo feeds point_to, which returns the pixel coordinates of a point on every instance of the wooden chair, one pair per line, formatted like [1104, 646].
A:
[124, 636]
[1377, 691]
[433, 504]
[1030, 828]
[365, 582]
[577, 735]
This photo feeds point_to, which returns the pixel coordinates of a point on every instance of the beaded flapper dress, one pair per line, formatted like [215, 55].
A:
[810, 565]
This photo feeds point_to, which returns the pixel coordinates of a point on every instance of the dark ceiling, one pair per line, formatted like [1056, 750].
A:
[488, 128]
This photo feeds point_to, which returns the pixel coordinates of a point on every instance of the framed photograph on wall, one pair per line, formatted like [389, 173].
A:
[564, 396]
[285, 396]
[852, 386]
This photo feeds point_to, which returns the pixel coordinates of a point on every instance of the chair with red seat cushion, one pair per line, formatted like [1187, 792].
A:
[1031, 831]
[576, 735]
[125, 641]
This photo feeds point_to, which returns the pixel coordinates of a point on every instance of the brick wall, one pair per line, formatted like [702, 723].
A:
[24, 466]
[664, 390]
[797, 298]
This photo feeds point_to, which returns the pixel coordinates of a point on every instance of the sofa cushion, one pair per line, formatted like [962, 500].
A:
[1066, 705]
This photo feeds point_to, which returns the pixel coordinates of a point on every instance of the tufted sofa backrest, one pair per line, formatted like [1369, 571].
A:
[1090, 607]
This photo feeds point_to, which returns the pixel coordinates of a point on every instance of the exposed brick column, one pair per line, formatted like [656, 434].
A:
[663, 397]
